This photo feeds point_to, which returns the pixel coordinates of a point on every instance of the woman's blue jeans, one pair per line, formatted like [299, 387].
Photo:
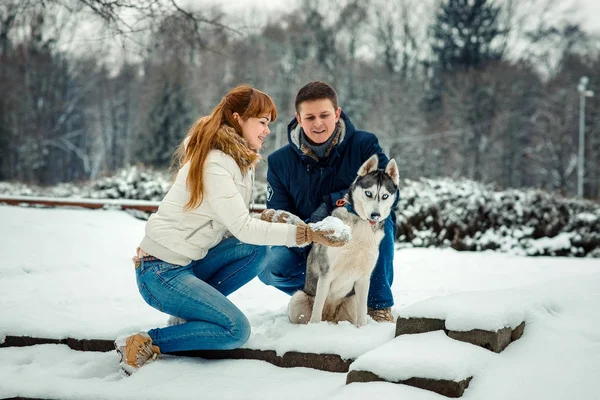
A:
[197, 293]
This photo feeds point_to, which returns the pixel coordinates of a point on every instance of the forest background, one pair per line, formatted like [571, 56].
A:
[479, 89]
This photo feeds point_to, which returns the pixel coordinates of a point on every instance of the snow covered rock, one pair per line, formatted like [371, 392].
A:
[495, 341]
[414, 325]
[430, 361]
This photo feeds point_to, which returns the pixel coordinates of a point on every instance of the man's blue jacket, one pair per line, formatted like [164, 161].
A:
[299, 184]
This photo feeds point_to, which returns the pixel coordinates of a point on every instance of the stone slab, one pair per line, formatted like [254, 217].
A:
[518, 332]
[290, 359]
[75, 344]
[431, 361]
[495, 341]
[444, 387]
[411, 326]
[324, 362]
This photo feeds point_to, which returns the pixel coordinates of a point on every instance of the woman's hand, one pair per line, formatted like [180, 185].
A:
[322, 233]
[280, 216]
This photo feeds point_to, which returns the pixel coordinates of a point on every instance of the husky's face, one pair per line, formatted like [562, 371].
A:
[373, 191]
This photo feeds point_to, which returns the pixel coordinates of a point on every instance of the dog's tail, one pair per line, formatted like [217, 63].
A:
[300, 307]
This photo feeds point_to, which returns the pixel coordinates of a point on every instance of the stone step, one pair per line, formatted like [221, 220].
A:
[495, 341]
[290, 359]
[444, 387]
[430, 361]
[75, 344]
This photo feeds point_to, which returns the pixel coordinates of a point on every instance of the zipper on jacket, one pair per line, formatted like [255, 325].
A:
[252, 190]
[308, 170]
[197, 229]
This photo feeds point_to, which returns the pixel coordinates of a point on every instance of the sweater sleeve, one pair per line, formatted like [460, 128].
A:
[227, 203]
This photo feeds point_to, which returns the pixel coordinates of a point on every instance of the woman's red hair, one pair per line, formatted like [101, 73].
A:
[200, 139]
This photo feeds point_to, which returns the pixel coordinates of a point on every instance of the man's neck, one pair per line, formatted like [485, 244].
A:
[320, 149]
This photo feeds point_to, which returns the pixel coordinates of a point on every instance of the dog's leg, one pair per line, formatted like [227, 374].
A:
[346, 311]
[323, 285]
[300, 308]
[361, 287]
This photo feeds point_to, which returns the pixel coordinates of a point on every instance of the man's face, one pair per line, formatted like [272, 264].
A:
[318, 118]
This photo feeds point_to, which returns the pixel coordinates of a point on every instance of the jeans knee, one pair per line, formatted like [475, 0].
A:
[265, 276]
[260, 258]
[240, 331]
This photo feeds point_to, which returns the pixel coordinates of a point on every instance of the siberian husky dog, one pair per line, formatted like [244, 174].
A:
[337, 278]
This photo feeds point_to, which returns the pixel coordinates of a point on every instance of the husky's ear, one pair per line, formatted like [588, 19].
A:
[392, 170]
[369, 166]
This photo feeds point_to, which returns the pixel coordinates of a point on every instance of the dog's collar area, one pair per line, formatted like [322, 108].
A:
[349, 207]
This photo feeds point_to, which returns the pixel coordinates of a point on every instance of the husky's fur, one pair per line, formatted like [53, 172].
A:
[337, 278]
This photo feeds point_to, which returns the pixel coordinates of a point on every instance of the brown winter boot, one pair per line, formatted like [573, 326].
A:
[136, 350]
[381, 314]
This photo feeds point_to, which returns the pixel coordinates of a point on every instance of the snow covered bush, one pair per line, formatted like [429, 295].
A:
[132, 183]
[461, 214]
[467, 215]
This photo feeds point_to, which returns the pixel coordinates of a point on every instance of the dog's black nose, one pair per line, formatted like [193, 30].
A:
[375, 216]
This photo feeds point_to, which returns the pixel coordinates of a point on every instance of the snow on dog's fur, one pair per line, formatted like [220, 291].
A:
[337, 278]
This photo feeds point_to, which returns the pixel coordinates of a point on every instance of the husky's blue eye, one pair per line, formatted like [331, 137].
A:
[385, 196]
[368, 193]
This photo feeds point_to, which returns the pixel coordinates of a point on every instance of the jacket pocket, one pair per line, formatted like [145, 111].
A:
[207, 224]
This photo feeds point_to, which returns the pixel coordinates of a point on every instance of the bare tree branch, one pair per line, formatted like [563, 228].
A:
[132, 16]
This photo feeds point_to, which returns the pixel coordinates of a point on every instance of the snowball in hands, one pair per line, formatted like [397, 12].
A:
[339, 230]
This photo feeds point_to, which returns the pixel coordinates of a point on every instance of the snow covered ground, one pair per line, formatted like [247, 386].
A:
[67, 273]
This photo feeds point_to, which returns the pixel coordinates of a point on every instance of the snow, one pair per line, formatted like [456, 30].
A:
[335, 225]
[54, 371]
[68, 273]
[586, 217]
[558, 242]
[429, 355]
[277, 333]
[494, 310]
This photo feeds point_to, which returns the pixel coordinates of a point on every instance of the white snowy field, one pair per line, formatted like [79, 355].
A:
[67, 273]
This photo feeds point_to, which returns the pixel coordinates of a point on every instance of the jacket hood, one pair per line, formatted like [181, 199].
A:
[229, 142]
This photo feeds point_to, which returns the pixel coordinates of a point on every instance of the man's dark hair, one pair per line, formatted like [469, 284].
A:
[316, 90]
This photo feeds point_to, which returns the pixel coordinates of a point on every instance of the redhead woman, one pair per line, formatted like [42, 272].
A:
[202, 244]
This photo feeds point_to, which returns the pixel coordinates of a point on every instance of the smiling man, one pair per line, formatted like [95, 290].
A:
[310, 174]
